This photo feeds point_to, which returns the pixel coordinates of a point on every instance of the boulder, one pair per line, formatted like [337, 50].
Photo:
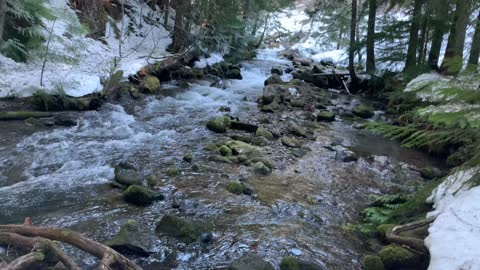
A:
[242, 138]
[373, 263]
[274, 79]
[270, 108]
[225, 151]
[262, 132]
[129, 240]
[326, 116]
[318, 69]
[140, 195]
[397, 257]
[363, 111]
[219, 124]
[65, 120]
[219, 158]
[296, 129]
[150, 84]
[235, 74]
[292, 263]
[250, 262]
[181, 229]
[277, 70]
[319, 80]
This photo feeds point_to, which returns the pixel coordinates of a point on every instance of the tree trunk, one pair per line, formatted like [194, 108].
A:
[453, 60]
[413, 40]
[166, 13]
[423, 36]
[372, 13]
[3, 11]
[178, 33]
[475, 50]
[440, 12]
[351, 52]
[340, 37]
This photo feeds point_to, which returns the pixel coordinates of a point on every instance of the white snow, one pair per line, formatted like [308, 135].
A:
[454, 236]
[335, 56]
[78, 64]
[213, 59]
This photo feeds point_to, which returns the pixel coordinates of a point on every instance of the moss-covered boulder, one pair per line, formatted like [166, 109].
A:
[152, 180]
[242, 138]
[250, 262]
[140, 195]
[297, 130]
[290, 142]
[129, 240]
[383, 229]
[219, 124]
[396, 257]
[263, 132]
[235, 187]
[363, 111]
[326, 116]
[225, 151]
[181, 229]
[234, 73]
[188, 158]
[127, 177]
[373, 263]
[277, 70]
[260, 141]
[173, 171]
[150, 84]
[274, 79]
[260, 168]
[292, 263]
[242, 148]
[219, 158]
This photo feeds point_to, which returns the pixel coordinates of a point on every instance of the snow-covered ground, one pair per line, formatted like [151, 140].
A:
[76, 63]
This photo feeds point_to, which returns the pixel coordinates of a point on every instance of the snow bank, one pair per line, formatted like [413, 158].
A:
[454, 236]
[76, 64]
[213, 59]
[336, 56]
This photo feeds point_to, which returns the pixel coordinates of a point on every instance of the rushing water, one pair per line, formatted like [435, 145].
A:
[60, 177]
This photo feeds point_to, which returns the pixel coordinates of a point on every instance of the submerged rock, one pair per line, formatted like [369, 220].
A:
[292, 263]
[235, 187]
[188, 157]
[181, 229]
[219, 124]
[152, 180]
[250, 262]
[363, 111]
[140, 195]
[129, 240]
[243, 126]
[173, 171]
[260, 141]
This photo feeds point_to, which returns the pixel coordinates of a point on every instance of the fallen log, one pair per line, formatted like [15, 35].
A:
[416, 244]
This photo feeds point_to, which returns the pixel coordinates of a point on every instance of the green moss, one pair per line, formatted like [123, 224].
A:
[188, 157]
[210, 147]
[363, 111]
[139, 195]
[372, 263]
[219, 124]
[22, 115]
[219, 158]
[383, 229]
[173, 171]
[181, 229]
[152, 180]
[292, 263]
[225, 151]
[326, 116]
[262, 132]
[397, 257]
[150, 84]
[235, 187]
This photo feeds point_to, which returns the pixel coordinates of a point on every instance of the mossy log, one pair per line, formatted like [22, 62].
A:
[41, 251]
[416, 244]
[22, 115]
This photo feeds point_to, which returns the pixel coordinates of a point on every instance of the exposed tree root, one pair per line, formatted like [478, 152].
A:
[416, 244]
[42, 252]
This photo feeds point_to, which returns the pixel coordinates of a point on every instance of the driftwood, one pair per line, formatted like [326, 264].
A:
[416, 244]
[43, 253]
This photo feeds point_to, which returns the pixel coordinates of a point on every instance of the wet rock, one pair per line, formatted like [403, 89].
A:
[33, 122]
[152, 180]
[140, 196]
[277, 70]
[219, 158]
[150, 84]
[296, 129]
[206, 238]
[224, 109]
[274, 79]
[326, 116]
[318, 69]
[245, 139]
[265, 161]
[296, 252]
[235, 187]
[235, 74]
[260, 168]
[270, 108]
[250, 262]
[363, 111]
[346, 155]
[237, 125]
[372, 263]
[262, 132]
[188, 158]
[181, 229]
[297, 102]
[65, 120]
[288, 70]
[304, 62]
[397, 257]
[292, 263]
[241, 148]
[431, 173]
[173, 172]
[290, 142]
[219, 124]
[260, 141]
[126, 177]
[225, 151]
[129, 241]
[276, 93]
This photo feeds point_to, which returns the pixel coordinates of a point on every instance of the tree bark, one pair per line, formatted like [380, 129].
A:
[453, 60]
[372, 13]
[178, 33]
[3, 11]
[475, 50]
[413, 40]
[440, 12]
[423, 37]
[351, 52]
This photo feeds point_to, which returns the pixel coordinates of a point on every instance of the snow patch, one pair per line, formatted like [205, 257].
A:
[213, 59]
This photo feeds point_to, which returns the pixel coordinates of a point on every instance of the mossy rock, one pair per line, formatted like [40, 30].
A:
[260, 168]
[242, 138]
[396, 257]
[5, 116]
[181, 229]
[274, 79]
[292, 263]
[431, 173]
[219, 124]
[129, 241]
[290, 142]
[326, 116]
[219, 158]
[363, 111]
[139, 195]
[188, 158]
[235, 74]
[173, 172]
[126, 177]
[225, 151]
[152, 180]
[277, 70]
[265, 161]
[242, 148]
[297, 130]
[373, 263]
[150, 84]
[383, 229]
[235, 187]
[210, 147]
[260, 141]
[250, 262]
[262, 132]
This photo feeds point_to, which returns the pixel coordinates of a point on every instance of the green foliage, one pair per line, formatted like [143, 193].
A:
[23, 28]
